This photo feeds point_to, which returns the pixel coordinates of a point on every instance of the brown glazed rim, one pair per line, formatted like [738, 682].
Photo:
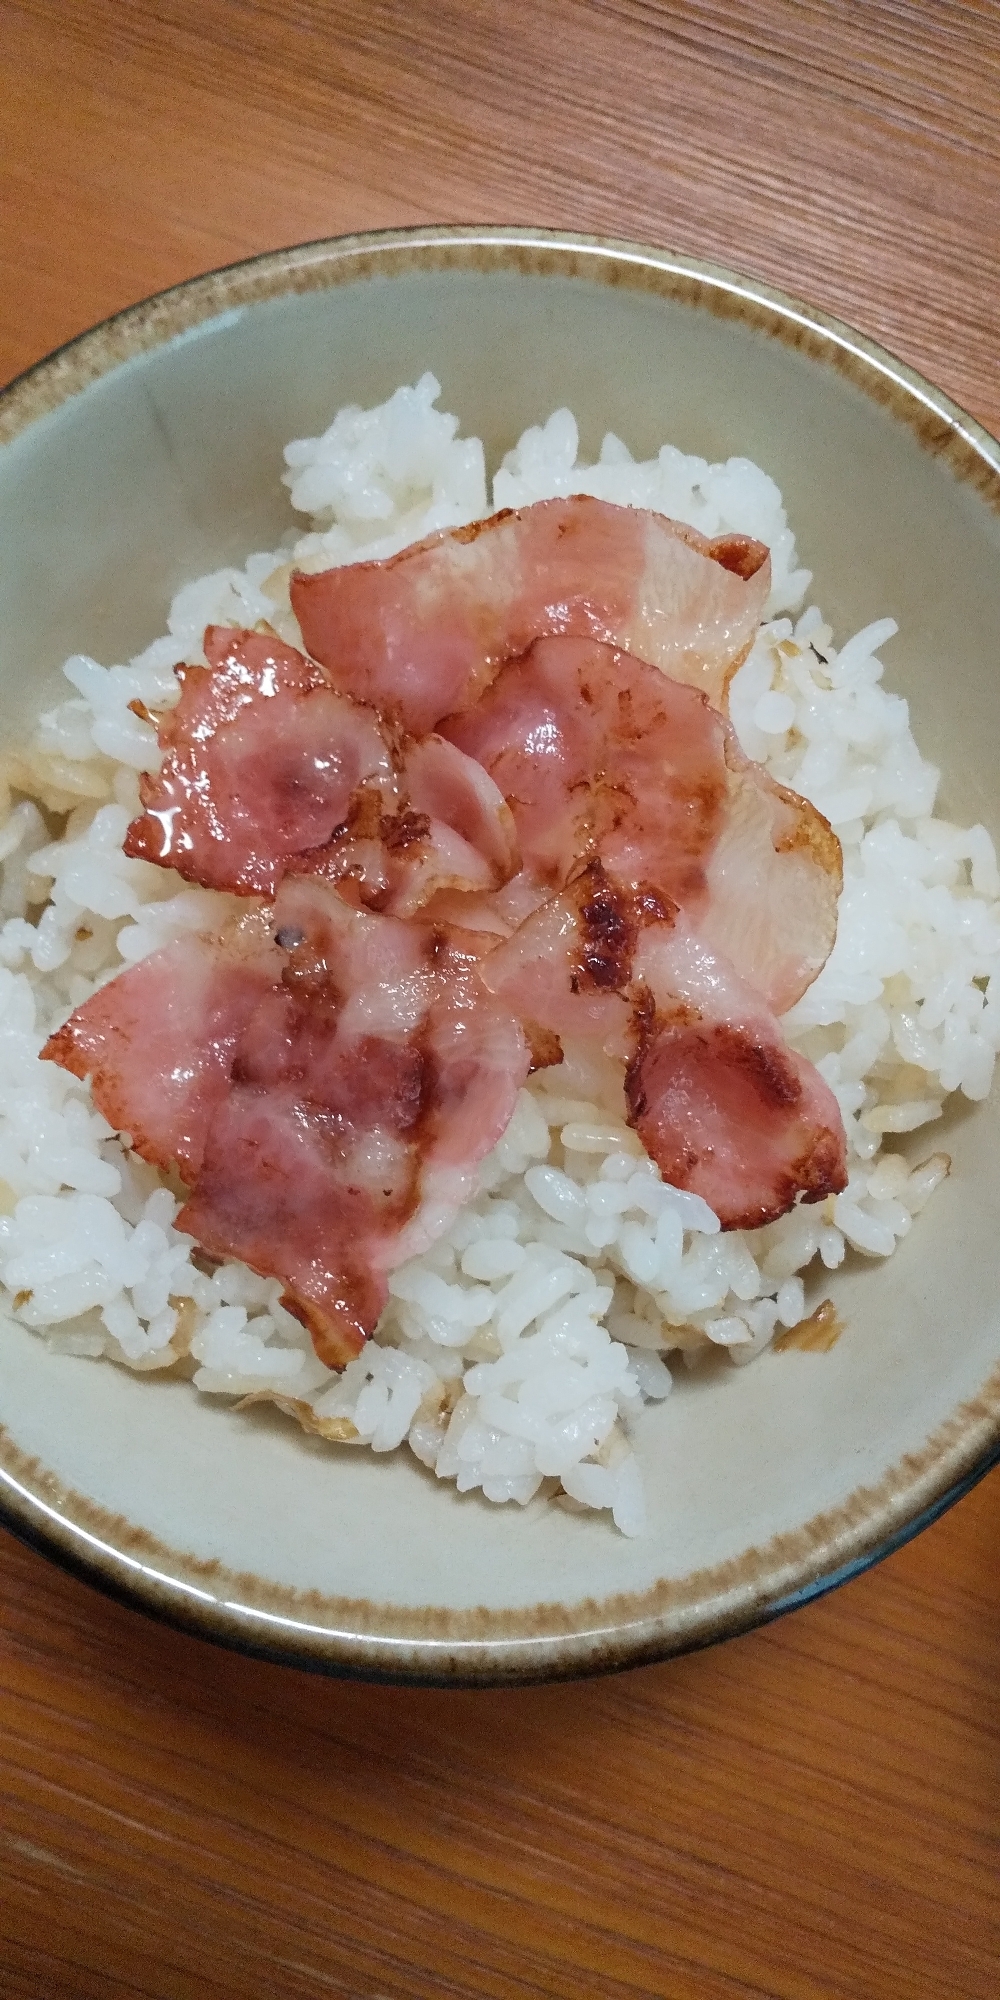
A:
[547, 1640]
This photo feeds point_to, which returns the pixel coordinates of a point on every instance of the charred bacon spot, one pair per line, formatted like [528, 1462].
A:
[364, 816]
[469, 533]
[807, 832]
[703, 805]
[417, 1096]
[821, 1171]
[609, 936]
[403, 829]
[740, 554]
[608, 931]
[545, 1048]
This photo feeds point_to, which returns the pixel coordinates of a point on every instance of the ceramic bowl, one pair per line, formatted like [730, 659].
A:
[149, 451]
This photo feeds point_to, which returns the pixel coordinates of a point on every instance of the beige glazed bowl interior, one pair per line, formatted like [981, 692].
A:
[149, 452]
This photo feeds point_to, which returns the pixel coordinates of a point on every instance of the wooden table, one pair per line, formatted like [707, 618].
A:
[815, 1809]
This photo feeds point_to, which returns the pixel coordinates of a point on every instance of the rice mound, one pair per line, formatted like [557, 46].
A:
[514, 1353]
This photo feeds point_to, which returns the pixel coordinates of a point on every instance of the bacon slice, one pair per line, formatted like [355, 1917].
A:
[421, 634]
[326, 1080]
[455, 792]
[157, 1042]
[600, 756]
[499, 911]
[364, 1095]
[568, 967]
[266, 769]
[261, 760]
[451, 830]
[719, 1100]
[326, 1075]
[773, 881]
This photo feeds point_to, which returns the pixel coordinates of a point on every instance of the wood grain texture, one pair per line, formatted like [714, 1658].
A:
[813, 1810]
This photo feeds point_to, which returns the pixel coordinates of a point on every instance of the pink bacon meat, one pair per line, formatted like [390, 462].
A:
[600, 756]
[158, 1041]
[720, 1102]
[421, 634]
[582, 849]
[266, 768]
[365, 1092]
[454, 833]
[260, 761]
[327, 1080]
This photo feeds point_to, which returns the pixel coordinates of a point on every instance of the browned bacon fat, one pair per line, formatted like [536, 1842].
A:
[420, 634]
[450, 831]
[600, 756]
[720, 1102]
[266, 768]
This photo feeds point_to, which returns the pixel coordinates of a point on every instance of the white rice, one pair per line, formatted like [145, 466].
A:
[514, 1354]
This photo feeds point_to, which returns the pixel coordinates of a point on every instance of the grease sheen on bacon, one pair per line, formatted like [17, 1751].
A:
[580, 849]
[600, 756]
[260, 760]
[421, 633]
[266, 768]
[451, 831]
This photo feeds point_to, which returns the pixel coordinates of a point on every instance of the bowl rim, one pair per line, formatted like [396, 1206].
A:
[333, 1635]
